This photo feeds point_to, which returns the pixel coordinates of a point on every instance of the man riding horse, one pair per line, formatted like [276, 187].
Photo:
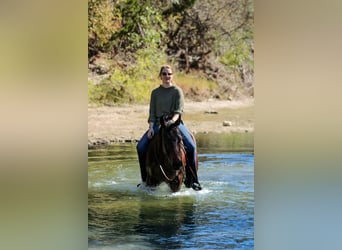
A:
[169, 99]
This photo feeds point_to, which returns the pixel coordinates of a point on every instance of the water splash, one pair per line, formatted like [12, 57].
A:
[124, 216]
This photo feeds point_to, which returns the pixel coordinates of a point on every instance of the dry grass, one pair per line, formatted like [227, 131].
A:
[195, 86]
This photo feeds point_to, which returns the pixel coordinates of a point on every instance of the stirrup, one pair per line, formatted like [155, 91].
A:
[196, 186]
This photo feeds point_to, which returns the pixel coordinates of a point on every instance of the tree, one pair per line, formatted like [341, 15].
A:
[103, 21]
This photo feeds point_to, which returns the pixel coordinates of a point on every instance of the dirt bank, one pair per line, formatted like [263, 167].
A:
[127, 123]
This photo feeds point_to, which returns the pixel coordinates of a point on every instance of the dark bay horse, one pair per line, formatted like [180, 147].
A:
[166, 157]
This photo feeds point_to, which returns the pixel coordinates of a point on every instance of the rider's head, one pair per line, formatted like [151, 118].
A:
[166, 73]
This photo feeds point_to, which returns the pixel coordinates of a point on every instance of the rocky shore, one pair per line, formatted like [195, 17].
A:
[126, 123]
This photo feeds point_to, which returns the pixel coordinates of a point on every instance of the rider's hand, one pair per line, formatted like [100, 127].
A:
[150, 133]
[169, 123]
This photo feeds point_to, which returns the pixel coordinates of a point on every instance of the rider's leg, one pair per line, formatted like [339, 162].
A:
[142, 150]
[190, 148]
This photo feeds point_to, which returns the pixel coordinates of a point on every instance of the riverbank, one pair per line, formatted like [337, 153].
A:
[127, 123]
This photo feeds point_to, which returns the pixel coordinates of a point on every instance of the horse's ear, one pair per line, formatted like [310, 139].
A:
[178, 120]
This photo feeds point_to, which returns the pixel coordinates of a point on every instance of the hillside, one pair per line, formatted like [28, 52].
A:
[208, 43]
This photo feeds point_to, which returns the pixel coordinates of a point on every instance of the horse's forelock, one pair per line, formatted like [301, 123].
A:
[171, 139]
[175, 139]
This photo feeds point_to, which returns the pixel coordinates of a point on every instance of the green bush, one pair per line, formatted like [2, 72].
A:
[142, 26]
[238, 53]
[103, 21]
[132, 84]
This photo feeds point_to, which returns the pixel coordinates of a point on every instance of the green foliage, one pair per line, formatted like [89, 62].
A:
[132, 84]
[141, 32]
[129, 25]
[103, 21]
[141, 78]
[238, 53]
[178, 6]
[106, 93]
[212, 38]
[142, 25]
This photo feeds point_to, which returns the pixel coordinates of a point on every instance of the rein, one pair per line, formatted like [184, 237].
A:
[160, 165]
[161, 168]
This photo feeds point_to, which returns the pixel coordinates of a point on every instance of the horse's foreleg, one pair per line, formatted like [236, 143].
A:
[151, 179]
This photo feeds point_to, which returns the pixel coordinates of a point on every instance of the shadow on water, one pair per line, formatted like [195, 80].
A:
[162, 223]
[140, 221]
[221, 216]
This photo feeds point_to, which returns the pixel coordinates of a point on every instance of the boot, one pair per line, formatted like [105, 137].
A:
[191, 179]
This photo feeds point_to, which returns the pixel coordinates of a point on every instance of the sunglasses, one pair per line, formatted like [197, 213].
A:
[164, 74]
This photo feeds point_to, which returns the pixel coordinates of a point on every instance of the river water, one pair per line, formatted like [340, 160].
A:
[220, 216]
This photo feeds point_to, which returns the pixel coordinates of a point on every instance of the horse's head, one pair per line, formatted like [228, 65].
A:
[166, 157]
[172, 142]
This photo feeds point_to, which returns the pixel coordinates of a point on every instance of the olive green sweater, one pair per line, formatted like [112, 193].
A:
[164, 101]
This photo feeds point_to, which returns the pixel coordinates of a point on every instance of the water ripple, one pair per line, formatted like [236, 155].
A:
[124, 216]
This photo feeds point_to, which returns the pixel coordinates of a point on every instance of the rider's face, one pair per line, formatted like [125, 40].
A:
[166, 75]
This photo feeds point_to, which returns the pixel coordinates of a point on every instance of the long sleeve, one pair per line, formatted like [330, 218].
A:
[152, 112]
[179, 102]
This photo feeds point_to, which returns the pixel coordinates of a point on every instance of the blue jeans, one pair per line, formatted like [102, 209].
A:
[190, 148]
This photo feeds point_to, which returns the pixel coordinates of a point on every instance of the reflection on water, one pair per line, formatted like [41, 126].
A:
[226, 142]
[122, 216]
